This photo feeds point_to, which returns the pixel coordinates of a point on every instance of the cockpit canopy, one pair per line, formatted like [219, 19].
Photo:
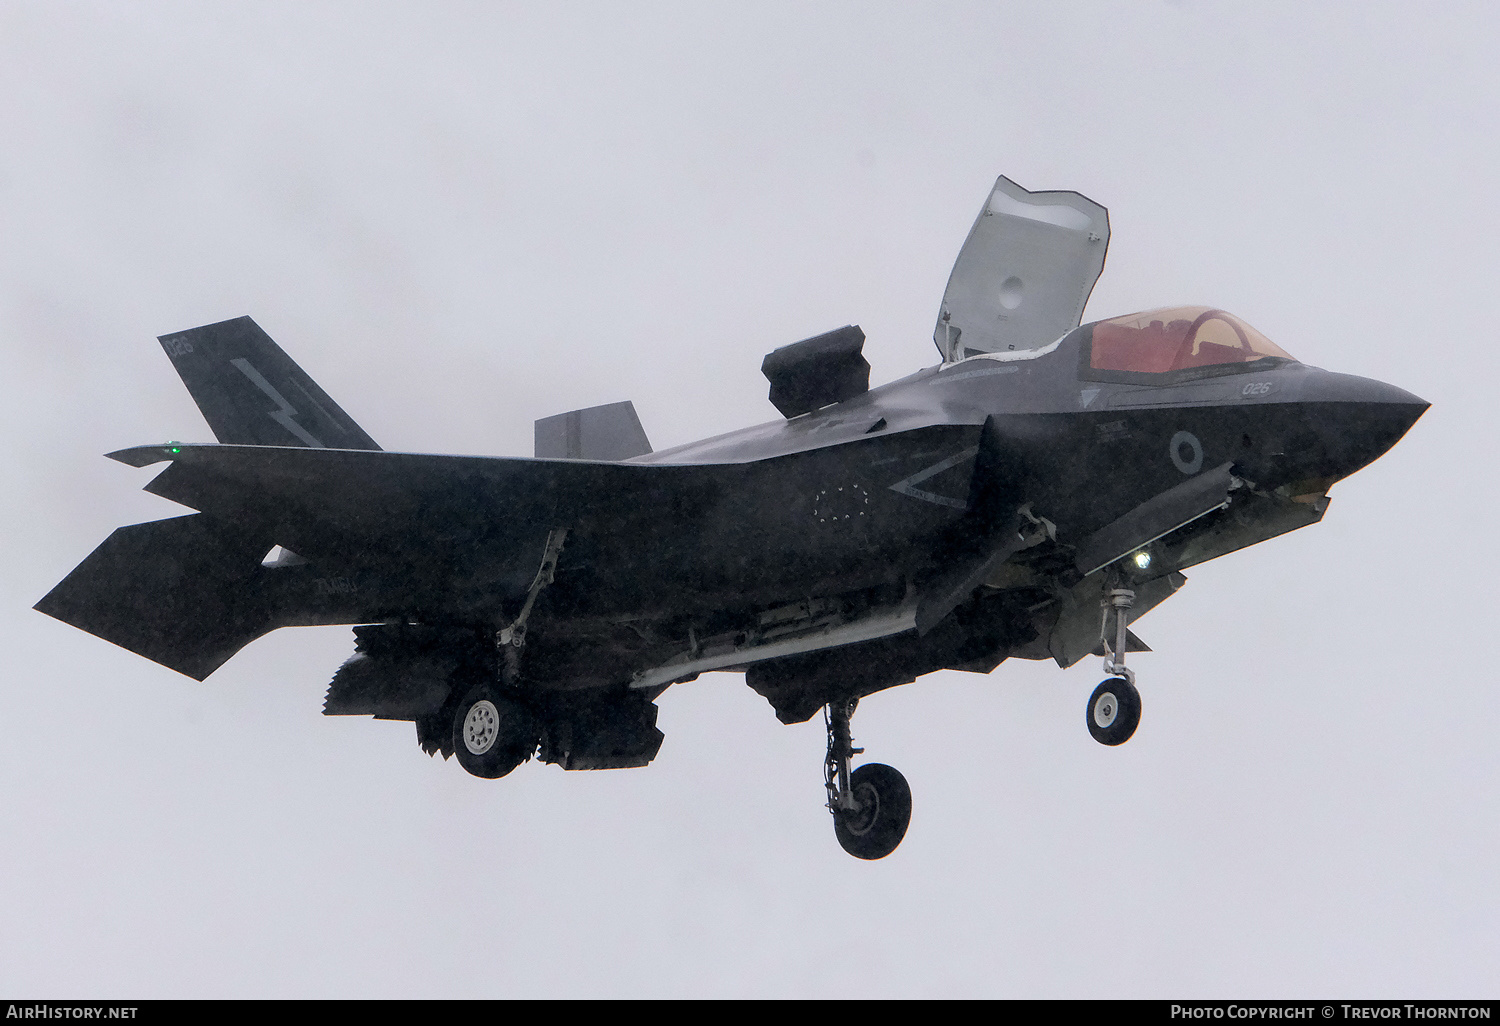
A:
[1181, 338]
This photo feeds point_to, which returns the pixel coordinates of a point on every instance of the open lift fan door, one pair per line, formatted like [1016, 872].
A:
[1024, 273]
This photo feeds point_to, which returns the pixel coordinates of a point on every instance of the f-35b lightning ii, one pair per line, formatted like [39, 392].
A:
[1030, 496]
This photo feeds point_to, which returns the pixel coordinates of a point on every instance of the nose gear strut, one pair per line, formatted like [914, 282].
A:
[1120, 600]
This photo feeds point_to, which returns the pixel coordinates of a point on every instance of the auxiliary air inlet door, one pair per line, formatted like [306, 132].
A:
[1024, 273]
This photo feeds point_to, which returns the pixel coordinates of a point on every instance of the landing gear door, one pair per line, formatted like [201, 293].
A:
[1024, 273]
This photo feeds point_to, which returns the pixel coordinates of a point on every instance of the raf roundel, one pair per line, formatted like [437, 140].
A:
[1186, 452]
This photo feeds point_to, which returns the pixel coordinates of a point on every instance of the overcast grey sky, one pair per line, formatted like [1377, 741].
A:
[460, 217]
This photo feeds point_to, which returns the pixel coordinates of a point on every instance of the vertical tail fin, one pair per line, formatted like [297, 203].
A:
[610, 432]
[251, 393]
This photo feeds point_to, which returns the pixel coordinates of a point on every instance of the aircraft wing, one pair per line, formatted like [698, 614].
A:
[374, 534]
[338, 502]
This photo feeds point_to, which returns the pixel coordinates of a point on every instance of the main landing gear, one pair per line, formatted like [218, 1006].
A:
[1114, 709]
[492, 734]
[871, 806]
[493, 731]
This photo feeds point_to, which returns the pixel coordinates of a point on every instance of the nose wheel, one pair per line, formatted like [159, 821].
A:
[871, 805]
[1114, 711]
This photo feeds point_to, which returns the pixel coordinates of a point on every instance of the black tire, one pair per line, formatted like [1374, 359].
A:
[873, 830]
[1114, 711]
[492, 734]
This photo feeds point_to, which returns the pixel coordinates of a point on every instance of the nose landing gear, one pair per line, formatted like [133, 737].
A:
[871, 805]
[1114, 709]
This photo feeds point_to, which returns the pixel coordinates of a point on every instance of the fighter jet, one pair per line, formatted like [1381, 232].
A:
[1030, 496]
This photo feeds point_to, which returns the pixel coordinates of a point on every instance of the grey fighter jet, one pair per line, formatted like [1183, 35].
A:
[1030, 496]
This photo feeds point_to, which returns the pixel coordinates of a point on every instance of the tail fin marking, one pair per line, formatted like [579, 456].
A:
[232, 368]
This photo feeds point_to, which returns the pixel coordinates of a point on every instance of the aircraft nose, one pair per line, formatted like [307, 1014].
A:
[1358, 420]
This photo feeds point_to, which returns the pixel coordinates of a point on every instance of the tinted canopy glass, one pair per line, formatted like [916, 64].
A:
[1175, 339]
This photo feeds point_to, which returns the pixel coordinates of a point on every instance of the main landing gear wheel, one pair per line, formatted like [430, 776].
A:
[882, 810]
[871, 806]
[492, 734]
[1114, 711]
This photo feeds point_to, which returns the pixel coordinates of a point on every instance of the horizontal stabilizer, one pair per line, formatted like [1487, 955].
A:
[181, 592]
[611, 432]
[251, 393]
